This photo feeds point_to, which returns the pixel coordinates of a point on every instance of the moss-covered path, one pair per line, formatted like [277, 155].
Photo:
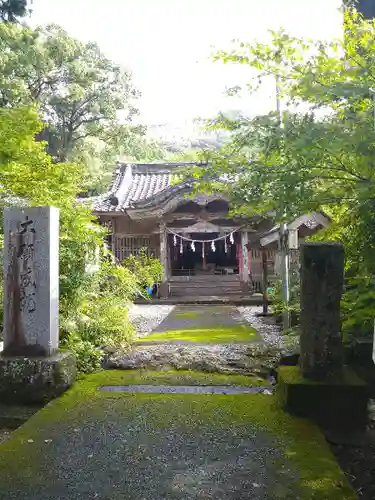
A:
[203, 324]
[91, 444]
[210, 338]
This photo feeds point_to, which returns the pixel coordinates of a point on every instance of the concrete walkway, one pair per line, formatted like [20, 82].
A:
[169, 444]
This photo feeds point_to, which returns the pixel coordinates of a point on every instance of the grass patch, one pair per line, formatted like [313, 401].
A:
[24, 459]
[235, 335]
[188, 315]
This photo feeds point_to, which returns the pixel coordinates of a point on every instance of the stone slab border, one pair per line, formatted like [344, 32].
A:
[188, 389]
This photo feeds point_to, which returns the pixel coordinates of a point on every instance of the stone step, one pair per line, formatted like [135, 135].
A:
[204, 278]
[208, 291]
[198, 286]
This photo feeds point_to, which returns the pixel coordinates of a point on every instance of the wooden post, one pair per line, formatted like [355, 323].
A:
[265, 280]
[244, 271]
[164, 292]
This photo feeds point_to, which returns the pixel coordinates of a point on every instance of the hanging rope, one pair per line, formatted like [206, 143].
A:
[231, 238]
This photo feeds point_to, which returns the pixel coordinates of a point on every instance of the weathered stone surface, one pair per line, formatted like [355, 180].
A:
[38, 379]
[322, 274]
[255, 359]
[31, 281]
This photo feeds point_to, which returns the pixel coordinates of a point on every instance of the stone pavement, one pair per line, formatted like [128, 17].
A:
[93, 444]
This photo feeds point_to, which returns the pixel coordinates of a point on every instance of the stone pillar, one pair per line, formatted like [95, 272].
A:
[31, 281]
[322, 278]
[31, 367]
[164, 286]
[244, 271]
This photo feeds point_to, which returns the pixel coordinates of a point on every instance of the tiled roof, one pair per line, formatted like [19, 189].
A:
[139, 184]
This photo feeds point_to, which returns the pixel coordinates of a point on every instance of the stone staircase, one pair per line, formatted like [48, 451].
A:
[205, 285]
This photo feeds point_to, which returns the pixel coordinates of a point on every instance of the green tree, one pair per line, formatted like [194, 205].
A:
[321, 157]
[28, 174]
[93, 313]
[86, 101]
[320, 153]
[79, 90]
[11, 10]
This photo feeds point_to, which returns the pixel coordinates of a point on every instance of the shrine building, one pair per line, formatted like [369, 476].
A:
[204, 250]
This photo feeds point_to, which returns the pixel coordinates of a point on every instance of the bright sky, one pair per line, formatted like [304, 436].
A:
[167, 44]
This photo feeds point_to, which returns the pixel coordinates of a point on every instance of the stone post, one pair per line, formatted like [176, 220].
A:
[31, 281]
[31, 368]
[164, 285]
[244, 271]
[321, 387]
[322, 278]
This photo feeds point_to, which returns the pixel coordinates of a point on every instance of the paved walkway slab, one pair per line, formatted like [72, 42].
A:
[90, 444]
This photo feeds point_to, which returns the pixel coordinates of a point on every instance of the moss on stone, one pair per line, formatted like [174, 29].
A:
[303, 447]
[340, 402]
[293, 375]
[187, 315]
[172, 377]
[216, 335]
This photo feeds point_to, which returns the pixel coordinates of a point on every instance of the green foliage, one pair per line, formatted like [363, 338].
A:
[76, 86]
[11, 10]
[279, 307]
[323, 156]
[92, 306]
[357, 307]
[98, 323]
[89, 358]
[319, 154]
[148, 269]
[81, 95]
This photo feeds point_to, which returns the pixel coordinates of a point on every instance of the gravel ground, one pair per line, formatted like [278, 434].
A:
[269, 331]
[146, 318]
[4, 435]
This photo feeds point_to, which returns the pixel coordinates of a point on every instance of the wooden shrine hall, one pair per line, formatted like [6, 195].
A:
[204, 250]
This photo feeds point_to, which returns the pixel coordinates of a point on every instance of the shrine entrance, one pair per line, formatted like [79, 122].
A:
[195, 254]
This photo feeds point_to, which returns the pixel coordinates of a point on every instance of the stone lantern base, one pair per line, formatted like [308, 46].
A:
[29, 380]
[338, 403]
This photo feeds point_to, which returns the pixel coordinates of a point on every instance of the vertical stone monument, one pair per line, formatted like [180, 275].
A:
[322, 388]
[322, 282]
[31, 366]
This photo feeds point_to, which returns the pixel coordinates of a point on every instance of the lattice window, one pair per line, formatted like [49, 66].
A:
[132, 245]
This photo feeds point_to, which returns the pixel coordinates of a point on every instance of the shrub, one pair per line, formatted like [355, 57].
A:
[148, 269]
[358, 307]
[89, 357]
[98, 324]
[278, 306]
